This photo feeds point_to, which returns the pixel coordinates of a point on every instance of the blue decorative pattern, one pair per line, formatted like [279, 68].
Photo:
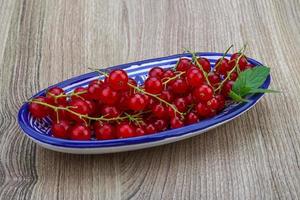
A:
[40, 129]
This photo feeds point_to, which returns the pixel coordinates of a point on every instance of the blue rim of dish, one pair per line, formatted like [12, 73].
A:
[202, 125]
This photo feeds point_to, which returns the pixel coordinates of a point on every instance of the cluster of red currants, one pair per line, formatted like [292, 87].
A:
[118, 108]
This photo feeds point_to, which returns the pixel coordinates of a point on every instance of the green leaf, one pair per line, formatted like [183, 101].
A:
[250, 80]
[260, 90]
[237, 97]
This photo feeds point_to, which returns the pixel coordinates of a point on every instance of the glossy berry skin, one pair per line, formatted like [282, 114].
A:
[213, 104]
[83, 90]
[94, 90]
[248, 66]
[79, 106]
[233, 76]
[242, 62]
[104, 131]
[125, 130]
[176, 123]
[188, 99]
[37, 110]
[183, 64]
[205, 64]
[221, 101]
[150, 128]
[214, 79]
[179, 86]
[159, 111]
[137, 102]
[202, 110]
[110, 111]
[166, 95]
[222, 66]
[131, 81]
[160, 124]
[92, 106]
[55, 91]
[203, 93]
[156, 72]
[139, 131]
[80, 132]
[226, 88]
[180, 104]
[61, 114]
[195, 77]
[118, 80]
[60, 129]
[153, 85]
[108, 95]
[191, 118]
[167, 75]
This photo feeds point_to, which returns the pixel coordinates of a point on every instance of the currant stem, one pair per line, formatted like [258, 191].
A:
[234, 68]
[67, 95]
[155, 96]
[173, 78]
[225, 53]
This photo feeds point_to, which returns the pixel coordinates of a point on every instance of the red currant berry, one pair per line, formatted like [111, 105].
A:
[248, 66]
[118, 80]
[97, 81]
[108, 95]
[137, 102]
[60, 129]
[125, 130]
[221, 101]
[153, 85]
[159, 111]
[104, 131]
[79, 106]
[205, 64]
[92, 106]
[214, 79]
[166, 95]
[222, 66]
[213, 104]
[233, 76]
[202, 110]
[176, 123]
[167, 75]
[179, 86]
[188, 99]
[183, 64]
[110, 111]
[180, 104]
[160, 125]
[226, 88]
[80, 132]
[191, 118]
[242, 62]
[94, 91]
[195, 77]
[156, 72]
[80, 92]
[37, 110]
[150, 128]
[139, 131]
[131, 81]
[203, 93]
[53, 93]
[61, 114]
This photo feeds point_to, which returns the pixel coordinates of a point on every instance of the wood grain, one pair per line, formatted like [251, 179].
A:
[253, 157]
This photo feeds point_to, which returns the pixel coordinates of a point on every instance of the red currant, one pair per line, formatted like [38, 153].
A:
[110, 111]
[150, 128]
[159, 111]
[205, 64]
[137, 102]
[160, 125]
[195, 77]
[108, 95]
[191, 118]
[94, 91]
[80, 132]
[242, 62]
[180, 104]
[233, 76]
[153, 85]
[139, 131]
[214, 79]
[202, 110]
[79, 106]
[226, 88]
[60, 129]
[222, 66]
[83, 90]
[203, 93]
[213, 104]
[118, 80]
[221, 101]
[176, 123]
[166, 95]
[125, 130]
[104, 131]
[156, 72]
[179, 86]
[53, 93]
[38, 110]
[183, 64]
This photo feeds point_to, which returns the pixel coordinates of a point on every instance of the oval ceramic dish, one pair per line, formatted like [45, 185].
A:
[39, 130]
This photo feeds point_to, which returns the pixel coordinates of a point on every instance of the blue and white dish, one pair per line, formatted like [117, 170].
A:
[39, 130]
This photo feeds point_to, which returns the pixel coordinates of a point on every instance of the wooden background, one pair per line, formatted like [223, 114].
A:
[253, 157]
